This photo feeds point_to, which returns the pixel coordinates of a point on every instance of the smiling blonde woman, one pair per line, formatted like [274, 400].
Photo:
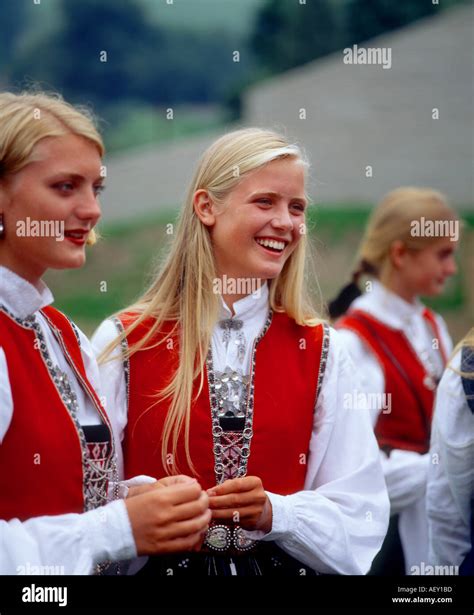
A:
[247, 392]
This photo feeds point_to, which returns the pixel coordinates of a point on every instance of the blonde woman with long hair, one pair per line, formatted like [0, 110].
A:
[57, 458]
[224, 370]
[450, 491]
[400, 349]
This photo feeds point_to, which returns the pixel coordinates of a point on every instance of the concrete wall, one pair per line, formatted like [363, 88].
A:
[356, 115]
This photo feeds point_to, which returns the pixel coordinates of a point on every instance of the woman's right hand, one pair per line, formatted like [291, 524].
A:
[170, 519]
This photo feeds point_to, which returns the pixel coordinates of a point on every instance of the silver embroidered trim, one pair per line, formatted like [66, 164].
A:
[125, 359]
[217, 431]
[76, 332]
[231, 450]
[323, 360]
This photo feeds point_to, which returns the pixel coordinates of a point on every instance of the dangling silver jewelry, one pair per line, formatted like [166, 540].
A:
[2, 226]
[234, 323]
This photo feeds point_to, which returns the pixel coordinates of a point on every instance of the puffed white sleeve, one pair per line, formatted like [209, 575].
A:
[71, 543]
[451, 472]
[338, 522]
[405, 471]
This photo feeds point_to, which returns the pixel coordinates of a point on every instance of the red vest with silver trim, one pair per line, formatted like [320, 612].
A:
[407, 426]
[289, 358]
[41, 457]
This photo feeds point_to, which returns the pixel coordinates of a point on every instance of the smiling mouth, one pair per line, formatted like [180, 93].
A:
[272, 245]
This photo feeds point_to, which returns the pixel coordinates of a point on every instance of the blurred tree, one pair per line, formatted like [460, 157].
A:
[104, 41]
[111, 51]
[291, 33]
[13, 22]
[369, 18]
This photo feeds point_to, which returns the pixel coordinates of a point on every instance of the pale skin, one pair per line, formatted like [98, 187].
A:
[411, 274]
[269, 203]
[62, 183]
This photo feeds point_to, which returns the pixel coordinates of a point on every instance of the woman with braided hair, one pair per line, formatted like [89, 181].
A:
[400, 348]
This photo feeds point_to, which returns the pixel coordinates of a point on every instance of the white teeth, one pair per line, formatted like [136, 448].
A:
[270, 243]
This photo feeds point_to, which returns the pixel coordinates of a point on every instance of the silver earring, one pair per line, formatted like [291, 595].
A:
[2, 227]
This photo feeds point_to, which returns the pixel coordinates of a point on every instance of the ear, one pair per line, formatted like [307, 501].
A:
[204, 208]
[398, 254]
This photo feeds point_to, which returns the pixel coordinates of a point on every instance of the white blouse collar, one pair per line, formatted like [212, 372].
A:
[248, 307]
[20, 297]
[388, 307]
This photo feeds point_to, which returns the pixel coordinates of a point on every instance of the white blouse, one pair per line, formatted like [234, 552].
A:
[451, 472]
[338, 522]
[405, 471]
[72, 542]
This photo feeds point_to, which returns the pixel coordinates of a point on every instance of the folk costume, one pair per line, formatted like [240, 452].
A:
[450, 491]
[57, 455]
[400, 350]
[272, 405]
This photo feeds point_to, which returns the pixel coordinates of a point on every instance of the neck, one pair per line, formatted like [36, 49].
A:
[395, 285]
[232, 291]
[23, 272]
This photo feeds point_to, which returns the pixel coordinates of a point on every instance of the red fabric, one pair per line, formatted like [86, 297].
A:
[407, 426]
[40, 456]
[68, 340]
[287, 367]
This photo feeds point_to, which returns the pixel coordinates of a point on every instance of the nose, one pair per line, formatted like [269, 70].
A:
[282, 219]
[451, 266]
[89, 207]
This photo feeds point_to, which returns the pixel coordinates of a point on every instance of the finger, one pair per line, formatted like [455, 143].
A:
[134, 491]
[182, 492]
[185, 528]
[177, 545]
[236, 500]
[235, 485]
[190, 510]
[237, 515]
[176, 480]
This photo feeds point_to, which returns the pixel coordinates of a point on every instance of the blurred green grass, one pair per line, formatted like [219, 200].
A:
[120, 266]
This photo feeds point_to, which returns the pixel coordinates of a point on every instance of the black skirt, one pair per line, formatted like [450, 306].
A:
[266, 560]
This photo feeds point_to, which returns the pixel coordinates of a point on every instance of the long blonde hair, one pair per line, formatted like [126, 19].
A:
[29, 117]
[182, 289]
[392, 220]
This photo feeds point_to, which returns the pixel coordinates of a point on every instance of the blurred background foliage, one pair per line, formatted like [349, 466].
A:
[177, 53]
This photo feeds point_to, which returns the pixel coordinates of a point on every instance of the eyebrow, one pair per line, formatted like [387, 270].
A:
[301, 199]
[75, 177]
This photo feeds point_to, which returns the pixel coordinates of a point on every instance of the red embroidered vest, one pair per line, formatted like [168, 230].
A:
[288, 357]
[41, 459]
[407, 426]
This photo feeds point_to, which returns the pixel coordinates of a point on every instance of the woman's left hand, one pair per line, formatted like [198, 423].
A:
[244, 501]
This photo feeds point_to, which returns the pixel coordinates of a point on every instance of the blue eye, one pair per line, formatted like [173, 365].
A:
[99, 189]
[264, 201]
[64, 186]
